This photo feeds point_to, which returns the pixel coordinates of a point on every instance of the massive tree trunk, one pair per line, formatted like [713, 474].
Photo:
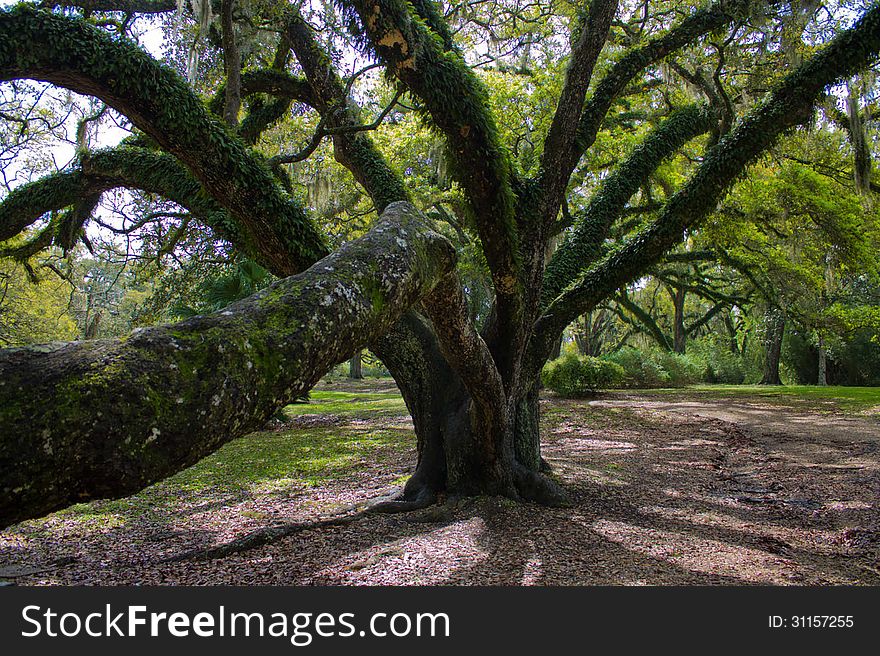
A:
[105, 418]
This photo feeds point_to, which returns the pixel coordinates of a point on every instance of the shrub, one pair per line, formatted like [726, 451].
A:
[645, 368]
[574, 375]
[639, 368]
[680, 369]
[725, 367]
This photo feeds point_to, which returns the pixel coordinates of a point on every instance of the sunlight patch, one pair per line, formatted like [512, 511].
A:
[696, 554]
[581, 444]
[427, 559]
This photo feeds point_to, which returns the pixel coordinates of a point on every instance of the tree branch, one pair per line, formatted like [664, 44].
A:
[645, 319]
[634, 62]
[231, 62]
[560, 152]
[790, 104]
[457, 102]
[131, 168]
[354, 150]
[583, 244]
[73, 54]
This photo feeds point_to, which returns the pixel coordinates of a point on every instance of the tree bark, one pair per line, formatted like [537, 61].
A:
[679, 334]
[557, 350]
[731, 334]
[106, 418]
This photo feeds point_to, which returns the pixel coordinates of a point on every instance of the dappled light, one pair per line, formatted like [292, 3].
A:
[398, 292]
[660, 495]
[689, 552]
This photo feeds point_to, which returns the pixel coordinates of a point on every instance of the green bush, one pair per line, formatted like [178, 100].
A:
[639, 368]
[574, 375]
[681, 369]
[646, 368]
[723, 366]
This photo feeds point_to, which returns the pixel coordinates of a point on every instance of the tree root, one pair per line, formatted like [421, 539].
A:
[537, 487]
[424, 503]
[393, 503]
[262, 537]
[405, 501]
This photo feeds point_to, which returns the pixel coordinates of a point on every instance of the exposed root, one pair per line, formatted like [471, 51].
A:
[405, 501]
[261, 538]
[421, 502]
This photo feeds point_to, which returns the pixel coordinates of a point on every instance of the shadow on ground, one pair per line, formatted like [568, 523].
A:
[663, 492]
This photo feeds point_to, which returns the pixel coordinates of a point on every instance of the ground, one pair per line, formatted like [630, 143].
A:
[711, 485]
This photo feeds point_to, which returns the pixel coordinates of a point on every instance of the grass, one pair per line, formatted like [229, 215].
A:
[266, 462]
[350, 404]
[847, 399]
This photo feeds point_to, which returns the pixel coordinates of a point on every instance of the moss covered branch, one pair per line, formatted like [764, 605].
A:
[685, 33]
[105, 418]
[270, 82]
[458, 105]
[583, 245]
[790, 104]
[103, 170]
[352, 148]
[560, 150]
[71, 53]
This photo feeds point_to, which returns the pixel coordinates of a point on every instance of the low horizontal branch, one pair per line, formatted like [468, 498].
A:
[105, 418]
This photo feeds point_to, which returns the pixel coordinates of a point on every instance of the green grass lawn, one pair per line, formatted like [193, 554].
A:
[268, 462]
[350, 404]
[848, 399]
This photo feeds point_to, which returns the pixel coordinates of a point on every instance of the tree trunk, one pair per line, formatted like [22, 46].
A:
[733, 341]
[354, 367]
[476, 435]
[775, 327]
[557, 349]
[679, 334]
[822, 378]
[106, 418]
[582, 334]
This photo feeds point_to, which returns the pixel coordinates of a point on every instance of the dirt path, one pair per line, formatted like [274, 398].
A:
[758, 417]
[664, 492]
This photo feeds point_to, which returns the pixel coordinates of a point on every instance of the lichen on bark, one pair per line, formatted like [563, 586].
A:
[105, 418]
